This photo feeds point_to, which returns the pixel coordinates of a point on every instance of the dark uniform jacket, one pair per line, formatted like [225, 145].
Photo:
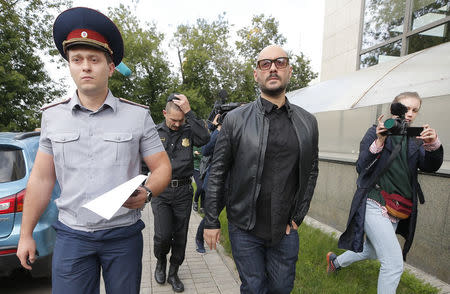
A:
[368, 166]
[179, 144]
[239, 153]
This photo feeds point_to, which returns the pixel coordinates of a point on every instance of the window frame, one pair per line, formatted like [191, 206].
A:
[407, 32]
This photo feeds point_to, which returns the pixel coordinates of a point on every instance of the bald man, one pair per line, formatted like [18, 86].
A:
[268, 149]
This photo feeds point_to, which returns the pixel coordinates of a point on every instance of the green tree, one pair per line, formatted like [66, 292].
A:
[151, 79]
[25, 31]
[206, 61]
[302, 73]
[262, 33]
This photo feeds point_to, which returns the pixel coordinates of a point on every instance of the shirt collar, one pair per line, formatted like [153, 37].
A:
[269, 106]
[110, 102]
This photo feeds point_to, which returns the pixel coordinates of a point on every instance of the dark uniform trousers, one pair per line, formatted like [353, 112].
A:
[172, 210]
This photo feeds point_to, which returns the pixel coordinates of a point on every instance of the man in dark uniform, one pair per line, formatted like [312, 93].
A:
[92, 143]
[180, 131]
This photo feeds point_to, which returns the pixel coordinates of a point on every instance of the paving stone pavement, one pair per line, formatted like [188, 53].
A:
[211, 272]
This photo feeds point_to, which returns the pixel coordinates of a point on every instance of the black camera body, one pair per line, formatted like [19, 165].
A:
[223, 109]
[399, 126]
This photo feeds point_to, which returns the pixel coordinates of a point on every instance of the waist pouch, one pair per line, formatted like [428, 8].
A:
[397, 205]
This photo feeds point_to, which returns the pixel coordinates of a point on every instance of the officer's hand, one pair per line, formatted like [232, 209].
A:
[183, 103]
[428, 135]
[136, 200]
[26, 250]
[211, 237]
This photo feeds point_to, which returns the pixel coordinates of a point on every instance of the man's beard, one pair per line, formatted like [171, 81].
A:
[273, 92]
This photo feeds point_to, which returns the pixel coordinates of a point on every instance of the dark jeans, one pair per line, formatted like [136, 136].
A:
[199, 182]
[78, 257]
[172, 210]
[201, 227]
[264, 269]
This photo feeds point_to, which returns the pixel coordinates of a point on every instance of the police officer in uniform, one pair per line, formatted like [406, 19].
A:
[179, 132]
[92, 143]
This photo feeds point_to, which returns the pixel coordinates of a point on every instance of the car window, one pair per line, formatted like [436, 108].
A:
[12, 164]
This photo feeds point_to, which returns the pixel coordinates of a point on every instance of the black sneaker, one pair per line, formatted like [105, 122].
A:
[331, 267]
[195, 206]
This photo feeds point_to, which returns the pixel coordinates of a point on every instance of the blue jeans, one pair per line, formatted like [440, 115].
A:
[78, 257]
[381, 243]
[264, 269]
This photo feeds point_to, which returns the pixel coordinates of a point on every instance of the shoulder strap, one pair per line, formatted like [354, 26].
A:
[391, 158]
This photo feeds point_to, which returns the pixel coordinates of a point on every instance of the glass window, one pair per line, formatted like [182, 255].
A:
[12, 164]
[383, 19]
[429, 38]
[382, 54]
[428, 11]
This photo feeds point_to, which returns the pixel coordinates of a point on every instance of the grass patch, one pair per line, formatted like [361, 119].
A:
[311, 276]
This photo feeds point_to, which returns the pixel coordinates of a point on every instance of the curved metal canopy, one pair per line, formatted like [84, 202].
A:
[426, 72]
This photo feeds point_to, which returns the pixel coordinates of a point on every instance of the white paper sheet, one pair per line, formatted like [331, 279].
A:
[106, 205]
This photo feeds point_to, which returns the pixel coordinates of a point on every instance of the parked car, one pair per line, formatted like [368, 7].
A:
[17, 154]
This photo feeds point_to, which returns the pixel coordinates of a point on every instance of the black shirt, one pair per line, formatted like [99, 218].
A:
[279, 180]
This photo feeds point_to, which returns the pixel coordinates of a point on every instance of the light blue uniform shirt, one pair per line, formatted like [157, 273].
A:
[95, 151]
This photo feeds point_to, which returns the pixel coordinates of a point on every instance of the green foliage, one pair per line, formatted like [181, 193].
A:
[302, 73]
[151, 79]
[206, 60]
[262, 33]
[25, 26]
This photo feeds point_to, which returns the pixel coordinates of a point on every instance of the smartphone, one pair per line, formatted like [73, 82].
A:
[414, 131]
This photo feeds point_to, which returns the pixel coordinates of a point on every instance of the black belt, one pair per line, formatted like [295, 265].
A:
[180, 182]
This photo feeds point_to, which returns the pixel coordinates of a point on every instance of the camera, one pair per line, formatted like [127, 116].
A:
[223, 109]
[399, 126]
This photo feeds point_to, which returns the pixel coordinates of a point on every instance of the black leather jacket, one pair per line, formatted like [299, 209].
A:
[239, 154]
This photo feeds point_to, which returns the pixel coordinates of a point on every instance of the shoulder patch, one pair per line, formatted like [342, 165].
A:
[133, 103]
[54, 104]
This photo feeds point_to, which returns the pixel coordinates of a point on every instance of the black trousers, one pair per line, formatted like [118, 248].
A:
[199, 193]
[172, 210]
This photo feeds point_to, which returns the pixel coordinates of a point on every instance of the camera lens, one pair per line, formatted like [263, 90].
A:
[389, 123]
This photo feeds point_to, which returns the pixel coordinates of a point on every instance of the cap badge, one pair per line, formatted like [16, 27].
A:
[84, 34]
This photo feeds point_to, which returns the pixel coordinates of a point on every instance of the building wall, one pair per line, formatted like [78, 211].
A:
[341, 38]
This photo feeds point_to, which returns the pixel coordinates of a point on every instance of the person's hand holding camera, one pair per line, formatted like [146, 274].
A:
[428, 135]
[381, 132]
[216, 123]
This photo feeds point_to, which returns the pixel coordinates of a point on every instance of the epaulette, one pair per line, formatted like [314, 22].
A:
[133, 103]
[54, 104]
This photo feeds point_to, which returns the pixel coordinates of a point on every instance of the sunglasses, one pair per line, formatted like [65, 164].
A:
[266, 64]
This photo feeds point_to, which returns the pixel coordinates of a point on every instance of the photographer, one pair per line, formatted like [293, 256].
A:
[207, 151]
[387, 168]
